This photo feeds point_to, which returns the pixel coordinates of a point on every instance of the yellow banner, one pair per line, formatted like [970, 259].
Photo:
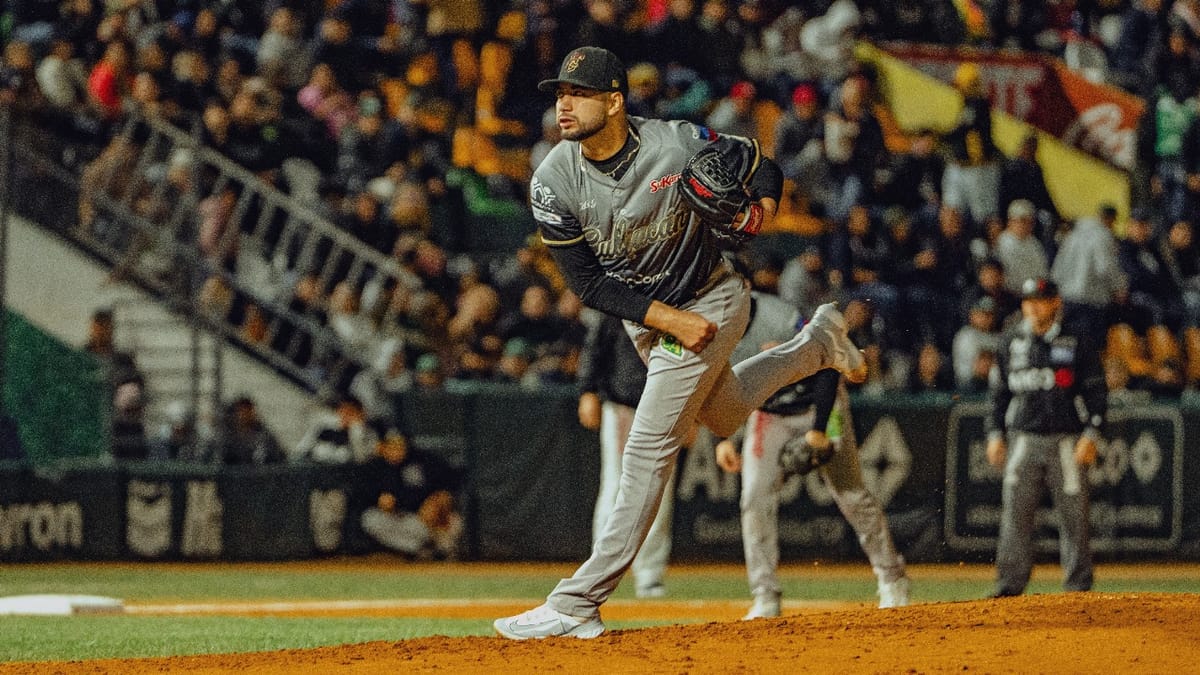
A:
[1078, 182]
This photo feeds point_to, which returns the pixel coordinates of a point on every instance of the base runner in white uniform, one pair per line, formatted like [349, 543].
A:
[816, 411]
[607, 204]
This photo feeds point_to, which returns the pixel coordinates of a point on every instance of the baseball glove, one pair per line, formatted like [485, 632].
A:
[798, 457]
[714, 184]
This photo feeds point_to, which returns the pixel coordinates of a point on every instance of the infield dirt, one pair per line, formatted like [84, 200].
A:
[1056, 633]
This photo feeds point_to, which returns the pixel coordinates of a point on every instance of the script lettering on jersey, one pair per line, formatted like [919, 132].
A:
[627, 238]
[664, 182]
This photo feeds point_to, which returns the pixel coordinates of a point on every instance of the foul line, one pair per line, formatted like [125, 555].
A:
[303, 606]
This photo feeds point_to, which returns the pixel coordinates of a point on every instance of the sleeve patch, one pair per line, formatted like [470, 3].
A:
[545, 216]
[705, 134]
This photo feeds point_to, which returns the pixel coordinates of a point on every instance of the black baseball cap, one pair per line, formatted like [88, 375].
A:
[590, 68]
[1039, 288]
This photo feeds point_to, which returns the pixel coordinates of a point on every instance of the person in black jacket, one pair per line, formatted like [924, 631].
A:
[412, 500]
[1049, 398]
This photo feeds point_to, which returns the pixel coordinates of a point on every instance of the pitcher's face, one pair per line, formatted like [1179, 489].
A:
[581, 112]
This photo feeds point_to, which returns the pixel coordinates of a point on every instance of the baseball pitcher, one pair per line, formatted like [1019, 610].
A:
[636, 213]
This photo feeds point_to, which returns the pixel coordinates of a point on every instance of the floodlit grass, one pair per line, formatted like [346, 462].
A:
[113, 636]
[92, 637]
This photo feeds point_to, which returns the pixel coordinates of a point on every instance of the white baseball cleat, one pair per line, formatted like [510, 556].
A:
[764, 607]
[893, 593]
[651, 591]
[544, 621]
[829, 326]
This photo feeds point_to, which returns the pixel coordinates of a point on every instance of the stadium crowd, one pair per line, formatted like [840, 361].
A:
[923, 234]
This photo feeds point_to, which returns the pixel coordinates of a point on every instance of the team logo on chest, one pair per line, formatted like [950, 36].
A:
[663, 183]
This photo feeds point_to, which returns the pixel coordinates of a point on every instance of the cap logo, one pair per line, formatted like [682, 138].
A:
[574, 61]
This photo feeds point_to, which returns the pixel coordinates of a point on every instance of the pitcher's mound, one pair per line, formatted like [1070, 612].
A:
[1077, 633]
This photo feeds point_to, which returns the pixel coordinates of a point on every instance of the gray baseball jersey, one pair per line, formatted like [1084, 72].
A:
[639, 228]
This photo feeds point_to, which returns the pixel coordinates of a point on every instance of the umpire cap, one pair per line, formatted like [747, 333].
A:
[590, 68]
[1039, 288]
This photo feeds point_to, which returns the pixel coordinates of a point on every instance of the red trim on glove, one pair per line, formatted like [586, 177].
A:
[752, 220]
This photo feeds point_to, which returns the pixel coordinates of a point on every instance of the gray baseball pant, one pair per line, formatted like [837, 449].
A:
[766, 434]
[1037, 462]
[681, 390]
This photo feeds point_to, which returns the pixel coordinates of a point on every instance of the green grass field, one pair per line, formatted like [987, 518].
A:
[38, 638]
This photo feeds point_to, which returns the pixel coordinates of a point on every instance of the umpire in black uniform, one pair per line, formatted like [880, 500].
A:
[1049, 400]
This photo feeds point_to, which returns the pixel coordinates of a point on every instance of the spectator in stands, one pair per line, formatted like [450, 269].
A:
[828, 40]
[686, 94]
[1089, 276]
[353, 328]
[645, 89]
[62, 77]
[180, 437]
[216, 231]
[412, 504]
[932, 372]
[366, 221]
[191, 82]
[804, 280]
[108, 81]
[283, 53]
[428, 372]
[912, 271]
[971, 182]
[777, 58]
[1154, 297]
[242, 438]
[988, 282]
[860, 259]
[954, 260]
[854, 147]
[975, 346]
[533, 320]
[1018, 250]
[1174, 109]
[1138, 46]
[734, 114]
[1181, 253]
[379, 385]
[340, 437]
[516, 358]
[531, 264]
[370, 145]
[799, 143]
[551, 134]
[1021, 177]
[129, 439]
[721, 36]
[1017, 24]
[305, 315]
[913, 179]
[327, 101]
[888, 368]
[256, 140]
[677, 39]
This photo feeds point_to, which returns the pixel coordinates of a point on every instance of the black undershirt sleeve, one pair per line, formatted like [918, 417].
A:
[824, 388]
[767, 181]
[597, 290]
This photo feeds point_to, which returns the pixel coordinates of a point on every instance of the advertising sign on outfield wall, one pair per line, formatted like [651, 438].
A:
[1136, 485]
